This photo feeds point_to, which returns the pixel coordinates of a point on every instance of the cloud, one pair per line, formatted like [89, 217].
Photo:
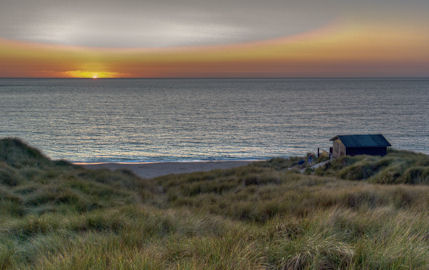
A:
[152, 24]
[172, 23]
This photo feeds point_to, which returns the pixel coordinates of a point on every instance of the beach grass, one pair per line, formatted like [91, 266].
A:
[394, 168]
[355, 213]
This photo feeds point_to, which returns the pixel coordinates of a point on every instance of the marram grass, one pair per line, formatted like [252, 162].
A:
[54, 215]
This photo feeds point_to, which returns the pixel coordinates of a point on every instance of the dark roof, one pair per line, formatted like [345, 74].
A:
[366, 140]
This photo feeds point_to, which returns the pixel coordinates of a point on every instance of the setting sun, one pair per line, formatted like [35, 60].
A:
[90, 74]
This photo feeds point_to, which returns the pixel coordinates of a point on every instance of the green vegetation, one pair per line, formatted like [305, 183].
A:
[54, 215]
[395, 168]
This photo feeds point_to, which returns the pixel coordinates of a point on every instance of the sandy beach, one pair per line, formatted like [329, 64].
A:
[151, 170]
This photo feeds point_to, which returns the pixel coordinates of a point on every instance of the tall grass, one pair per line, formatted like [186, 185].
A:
[394, 168]
[54, 215]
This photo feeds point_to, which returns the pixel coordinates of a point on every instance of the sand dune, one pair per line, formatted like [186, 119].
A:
[150, 170]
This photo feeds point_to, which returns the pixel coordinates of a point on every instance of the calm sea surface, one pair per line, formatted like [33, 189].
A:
[202, 119]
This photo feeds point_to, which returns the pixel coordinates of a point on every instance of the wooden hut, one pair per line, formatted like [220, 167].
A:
[352, 145]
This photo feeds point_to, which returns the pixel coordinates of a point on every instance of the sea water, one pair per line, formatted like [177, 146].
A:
[208, 119]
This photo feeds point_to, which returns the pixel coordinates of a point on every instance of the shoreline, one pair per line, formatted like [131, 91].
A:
[156, 169]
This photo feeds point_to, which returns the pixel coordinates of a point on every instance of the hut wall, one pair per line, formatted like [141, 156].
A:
[374, 151]
[338, 149]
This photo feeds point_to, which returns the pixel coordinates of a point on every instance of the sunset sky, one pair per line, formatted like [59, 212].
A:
[236, 38]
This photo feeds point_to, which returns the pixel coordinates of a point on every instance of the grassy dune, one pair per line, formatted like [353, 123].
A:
[398, 167]
[54, 215]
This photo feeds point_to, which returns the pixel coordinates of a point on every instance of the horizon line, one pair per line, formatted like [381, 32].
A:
[205, 78]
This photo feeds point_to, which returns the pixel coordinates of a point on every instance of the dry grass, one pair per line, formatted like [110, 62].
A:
[57, 216]
[394, 168]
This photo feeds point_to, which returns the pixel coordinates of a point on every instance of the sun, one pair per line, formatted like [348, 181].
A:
[94, 74]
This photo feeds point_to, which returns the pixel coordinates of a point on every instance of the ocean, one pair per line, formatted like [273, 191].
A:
[156, 120]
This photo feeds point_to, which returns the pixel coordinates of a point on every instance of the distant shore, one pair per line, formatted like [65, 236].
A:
[155, 169]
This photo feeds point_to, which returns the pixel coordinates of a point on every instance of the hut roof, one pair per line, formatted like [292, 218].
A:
[364, 140]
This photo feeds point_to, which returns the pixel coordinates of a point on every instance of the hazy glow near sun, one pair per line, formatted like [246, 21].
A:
[90, 74]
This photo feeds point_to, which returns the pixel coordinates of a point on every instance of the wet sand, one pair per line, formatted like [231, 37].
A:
[150, 170]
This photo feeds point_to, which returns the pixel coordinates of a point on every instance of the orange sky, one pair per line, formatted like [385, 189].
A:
[338, 50]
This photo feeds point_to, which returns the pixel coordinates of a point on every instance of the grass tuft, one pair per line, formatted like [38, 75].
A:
[354, 213]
